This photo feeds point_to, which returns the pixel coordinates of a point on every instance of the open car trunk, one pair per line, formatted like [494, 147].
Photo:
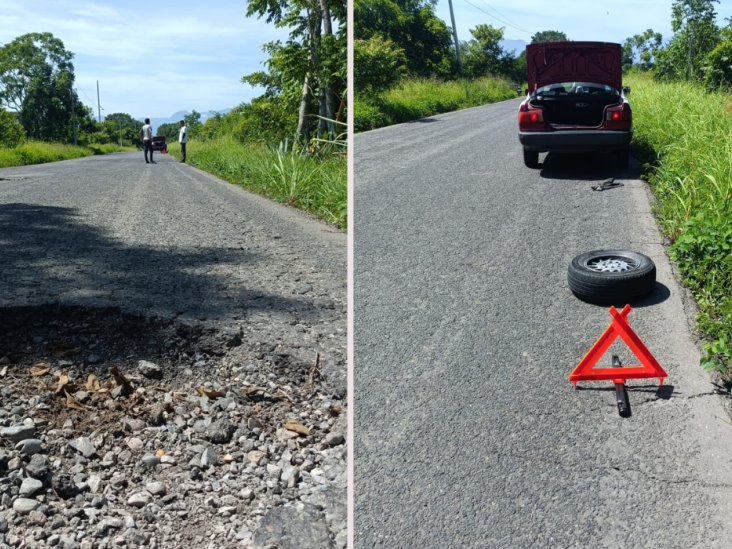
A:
[574, 109]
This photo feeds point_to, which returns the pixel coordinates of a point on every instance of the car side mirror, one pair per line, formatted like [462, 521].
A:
[626, 90]
[526, 90]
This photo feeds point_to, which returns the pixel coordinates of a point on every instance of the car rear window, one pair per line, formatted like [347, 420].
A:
[574, 89]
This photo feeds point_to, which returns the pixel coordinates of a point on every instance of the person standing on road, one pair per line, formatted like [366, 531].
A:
[183, 139]
[146, 134]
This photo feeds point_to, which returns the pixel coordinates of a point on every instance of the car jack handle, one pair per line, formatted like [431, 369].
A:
[621, 393]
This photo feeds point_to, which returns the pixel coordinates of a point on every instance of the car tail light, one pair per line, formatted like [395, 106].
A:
[618, 117]
[530, 118]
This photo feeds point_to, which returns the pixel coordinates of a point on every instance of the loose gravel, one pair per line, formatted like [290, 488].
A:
[124, 431]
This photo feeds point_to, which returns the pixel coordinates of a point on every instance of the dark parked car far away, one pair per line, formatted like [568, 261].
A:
[158, 143]
[576, 102]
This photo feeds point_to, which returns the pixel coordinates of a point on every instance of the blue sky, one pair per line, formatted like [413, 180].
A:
[578, 19]
[152, 59]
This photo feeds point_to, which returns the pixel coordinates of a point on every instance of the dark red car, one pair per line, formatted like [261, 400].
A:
[576, 102]
[158, 143]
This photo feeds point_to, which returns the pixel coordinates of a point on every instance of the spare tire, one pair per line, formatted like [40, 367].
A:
[611, 276]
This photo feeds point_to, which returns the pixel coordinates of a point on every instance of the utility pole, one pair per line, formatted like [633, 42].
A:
[454, 35]
[99, 105]
[120, 133]
[73, 114]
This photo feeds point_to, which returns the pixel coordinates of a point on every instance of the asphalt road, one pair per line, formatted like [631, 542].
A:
[467, 432]
[169, 240]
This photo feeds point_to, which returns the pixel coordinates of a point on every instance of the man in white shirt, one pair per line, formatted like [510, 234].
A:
[183, 139]
[146, 134]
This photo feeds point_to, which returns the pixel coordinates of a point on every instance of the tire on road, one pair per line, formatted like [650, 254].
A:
[611, 276]
[623, 157]
[531, 159]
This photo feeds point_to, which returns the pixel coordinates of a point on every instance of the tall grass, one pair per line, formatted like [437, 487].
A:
[683, 135]
[38, 152]
[418, 98]
[314, 184]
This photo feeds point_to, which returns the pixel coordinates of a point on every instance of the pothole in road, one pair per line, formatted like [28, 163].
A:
[96, 366]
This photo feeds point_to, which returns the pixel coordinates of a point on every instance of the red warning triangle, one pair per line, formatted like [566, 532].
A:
[619, 327]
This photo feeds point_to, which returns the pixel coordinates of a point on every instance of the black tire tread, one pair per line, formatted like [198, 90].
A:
[605, 288]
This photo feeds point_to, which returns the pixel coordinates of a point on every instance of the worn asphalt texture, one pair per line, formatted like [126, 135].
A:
[171, 241]
[467, 432]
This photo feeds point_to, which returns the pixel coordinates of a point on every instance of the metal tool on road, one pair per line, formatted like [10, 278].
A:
[619, 327]
[621, 393]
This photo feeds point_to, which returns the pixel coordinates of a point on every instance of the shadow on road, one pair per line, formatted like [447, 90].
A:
[587, 166]
[659, 294]
[50, 256]
[422, 121]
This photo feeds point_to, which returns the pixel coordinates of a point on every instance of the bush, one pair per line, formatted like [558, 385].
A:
[718, 72]
[11, 132]
[314, 184]
[377, 64]
[688, 144]
[412, 99]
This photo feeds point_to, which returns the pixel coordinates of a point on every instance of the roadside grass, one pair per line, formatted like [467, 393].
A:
[317, 185]
[683, 137]
[39, 152]
[413, 99]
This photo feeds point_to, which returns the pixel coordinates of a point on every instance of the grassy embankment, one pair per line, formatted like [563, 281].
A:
[38, 152]
[314, 184]
[415, 99]
[683, 136]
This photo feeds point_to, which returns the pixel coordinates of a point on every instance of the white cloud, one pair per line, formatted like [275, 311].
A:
[151, 57]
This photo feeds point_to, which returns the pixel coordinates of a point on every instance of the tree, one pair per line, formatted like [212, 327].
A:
[483, 55]
[412, 26]
[718, 67]
[311, 65]
[36, 81]
[696, 35]
[192, 121]
[644, 47]
[377, 64]
[549, 36]
[170, 131]
[120, 128]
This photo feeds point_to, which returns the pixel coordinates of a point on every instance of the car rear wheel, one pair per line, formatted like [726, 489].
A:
[623, 157]
[531, 159]
[611, 276]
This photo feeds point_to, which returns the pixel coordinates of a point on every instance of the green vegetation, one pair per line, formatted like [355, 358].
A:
[683, 136]
[418, 98]
[406, 67]
[37, 152]
[311, 183]
[686, 146]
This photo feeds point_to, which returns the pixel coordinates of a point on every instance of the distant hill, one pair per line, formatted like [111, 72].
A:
[178, 116]
[513, 46]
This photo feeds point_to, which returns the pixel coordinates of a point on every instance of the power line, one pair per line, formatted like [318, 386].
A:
[497, 18]
[503, 16]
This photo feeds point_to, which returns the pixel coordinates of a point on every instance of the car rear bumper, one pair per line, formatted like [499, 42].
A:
[575, 140]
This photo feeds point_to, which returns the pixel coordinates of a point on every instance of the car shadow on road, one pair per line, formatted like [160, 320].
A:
[50, 255]
[586, 166]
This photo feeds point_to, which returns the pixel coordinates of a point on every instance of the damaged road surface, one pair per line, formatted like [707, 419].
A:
[172, 362]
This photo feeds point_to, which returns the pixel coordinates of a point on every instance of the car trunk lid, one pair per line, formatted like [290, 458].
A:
[554, 62]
